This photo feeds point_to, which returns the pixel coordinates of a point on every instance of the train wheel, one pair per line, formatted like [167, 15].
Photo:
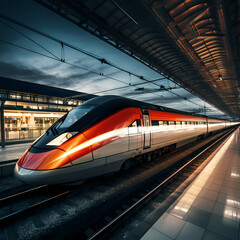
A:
[126, 165]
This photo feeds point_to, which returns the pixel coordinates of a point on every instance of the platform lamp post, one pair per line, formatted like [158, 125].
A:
[2, 122]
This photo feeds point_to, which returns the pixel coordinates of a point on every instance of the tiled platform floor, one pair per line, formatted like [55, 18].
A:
[209, 208]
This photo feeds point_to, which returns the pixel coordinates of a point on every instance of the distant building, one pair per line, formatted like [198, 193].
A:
[28, 109]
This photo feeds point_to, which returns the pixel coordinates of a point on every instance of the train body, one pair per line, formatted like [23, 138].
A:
[101, 135]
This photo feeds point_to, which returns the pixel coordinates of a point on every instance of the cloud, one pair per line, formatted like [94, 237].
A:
[58, 75]
[21, 72]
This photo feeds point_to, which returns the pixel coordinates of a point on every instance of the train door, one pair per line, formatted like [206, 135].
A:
[207, 126]
[134, 133]
[146, 129]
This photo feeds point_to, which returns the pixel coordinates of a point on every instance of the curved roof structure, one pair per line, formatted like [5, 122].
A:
[194, 43]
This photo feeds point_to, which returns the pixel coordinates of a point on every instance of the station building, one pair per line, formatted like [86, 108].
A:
[28, 109]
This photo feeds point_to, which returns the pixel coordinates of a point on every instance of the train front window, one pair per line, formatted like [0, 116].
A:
[73, 116]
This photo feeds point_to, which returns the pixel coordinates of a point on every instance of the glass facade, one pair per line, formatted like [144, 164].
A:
[27, 116]
[27, 125]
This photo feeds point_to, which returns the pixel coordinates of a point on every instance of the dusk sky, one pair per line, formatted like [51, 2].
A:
[79, 72]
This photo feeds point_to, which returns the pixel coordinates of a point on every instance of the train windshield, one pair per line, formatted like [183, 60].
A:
[73, 116]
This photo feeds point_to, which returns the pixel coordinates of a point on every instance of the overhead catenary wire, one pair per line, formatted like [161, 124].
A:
[63, 43]
[82, 94]
[24, 35]
[94, 72]
[59, 60]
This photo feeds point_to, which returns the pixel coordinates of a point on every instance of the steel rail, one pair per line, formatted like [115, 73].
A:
[10, 197]
[7, 218]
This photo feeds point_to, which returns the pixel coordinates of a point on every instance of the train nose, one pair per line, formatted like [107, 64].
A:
[41, 177]
[28, 176]
[44, 160]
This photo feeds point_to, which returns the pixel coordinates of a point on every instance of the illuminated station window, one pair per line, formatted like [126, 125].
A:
[27, 125]
[30, 109]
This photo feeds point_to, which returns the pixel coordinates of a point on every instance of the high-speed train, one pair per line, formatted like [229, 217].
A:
[106, 134]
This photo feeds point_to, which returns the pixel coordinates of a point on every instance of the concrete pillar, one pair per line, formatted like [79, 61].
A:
[2, 123]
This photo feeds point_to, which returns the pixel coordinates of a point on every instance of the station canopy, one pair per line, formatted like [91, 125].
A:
[193, 43]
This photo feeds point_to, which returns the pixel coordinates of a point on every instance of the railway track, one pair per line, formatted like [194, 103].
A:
[16, 195]
[35, 198]
[85, 204]
[112, 223]
[43, 192]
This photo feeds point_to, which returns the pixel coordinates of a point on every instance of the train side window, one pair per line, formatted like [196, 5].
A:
[186, 123]
[133, 128]
[138, 122]
[160, 123]
[171, 123]
[155, 123]
[165, 123]
[139, 125]
[134, 124]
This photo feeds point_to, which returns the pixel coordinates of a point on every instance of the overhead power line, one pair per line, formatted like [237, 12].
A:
[62, 59]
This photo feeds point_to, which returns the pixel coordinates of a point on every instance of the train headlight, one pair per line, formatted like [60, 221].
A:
[61, 139]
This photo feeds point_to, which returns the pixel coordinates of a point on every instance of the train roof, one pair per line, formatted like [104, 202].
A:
[114, 103]
[103, 106]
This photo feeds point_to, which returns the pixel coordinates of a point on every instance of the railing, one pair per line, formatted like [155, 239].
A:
[28, 134]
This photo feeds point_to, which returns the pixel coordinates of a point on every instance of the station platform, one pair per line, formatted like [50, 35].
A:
[8, 157]
[209, 208]
[12, 152]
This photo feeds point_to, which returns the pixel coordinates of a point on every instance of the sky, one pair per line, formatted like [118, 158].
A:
[28, 56]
